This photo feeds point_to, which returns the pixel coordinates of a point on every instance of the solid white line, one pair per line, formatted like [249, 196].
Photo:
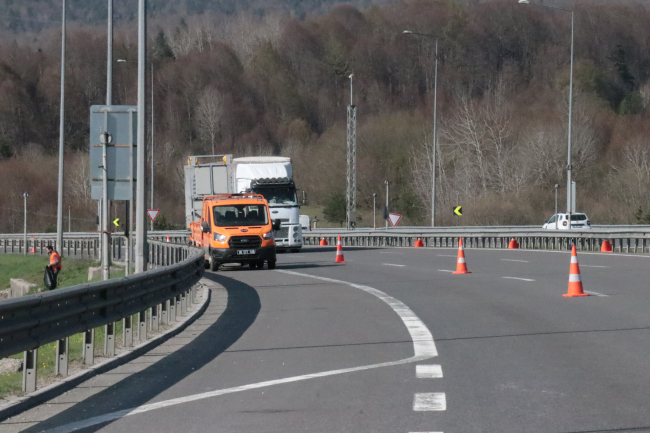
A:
[423, 346]
[444, 270]
[597, 294]
[443, 255]
[593, 266]
[516, 278]
[430, 371]
[429, 401]
[391, 264]
[513, 260]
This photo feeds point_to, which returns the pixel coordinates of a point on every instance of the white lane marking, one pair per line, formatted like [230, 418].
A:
[517, 278]
[444, 255]
[444, 270]
[423, 346]
[593, 266]
[430, 371]
[392, 264]
[597, 294]
[429, 401]
[513, 260]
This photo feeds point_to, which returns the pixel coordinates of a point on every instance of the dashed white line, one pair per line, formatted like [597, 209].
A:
[429, 401]
[392, 264]
[597, 294]
[513, 260]
[444, 270]
[517, 278]
[430, 371]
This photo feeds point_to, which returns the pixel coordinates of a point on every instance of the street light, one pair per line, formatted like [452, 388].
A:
[25, 195]
[569, 193]
[151, 198]
[435, 104]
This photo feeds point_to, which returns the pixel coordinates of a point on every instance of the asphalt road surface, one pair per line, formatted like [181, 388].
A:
[392, 342]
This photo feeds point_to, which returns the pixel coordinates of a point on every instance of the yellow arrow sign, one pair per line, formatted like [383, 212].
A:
[116, 222]
[458, 210]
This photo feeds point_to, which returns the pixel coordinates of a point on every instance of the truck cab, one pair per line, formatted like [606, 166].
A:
[235, 228]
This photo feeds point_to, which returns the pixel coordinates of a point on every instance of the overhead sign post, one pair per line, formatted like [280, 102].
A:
[458, 211]
[394, 218]
[153, 214]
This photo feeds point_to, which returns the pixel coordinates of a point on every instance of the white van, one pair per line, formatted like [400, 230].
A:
[579, 221]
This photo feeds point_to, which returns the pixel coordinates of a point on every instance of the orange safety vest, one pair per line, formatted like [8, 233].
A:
[55, 261]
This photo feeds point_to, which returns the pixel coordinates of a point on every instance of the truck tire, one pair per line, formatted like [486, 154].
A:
[206, 263]
[214, 266]
[271, 264]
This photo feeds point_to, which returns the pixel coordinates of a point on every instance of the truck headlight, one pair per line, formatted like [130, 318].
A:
[220, 238]
[295, 235]
[295, 229]
[268, 235]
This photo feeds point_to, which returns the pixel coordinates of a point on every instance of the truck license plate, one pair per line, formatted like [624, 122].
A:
[245, 252]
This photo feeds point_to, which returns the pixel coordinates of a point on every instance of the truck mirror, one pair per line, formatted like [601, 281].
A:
[276, 225]
[205, 227]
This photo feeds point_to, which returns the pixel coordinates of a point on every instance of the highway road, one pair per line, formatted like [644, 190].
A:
[390, 342]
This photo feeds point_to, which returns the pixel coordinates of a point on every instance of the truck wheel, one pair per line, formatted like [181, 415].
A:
[214, 266]
[271, 264]
[206, 264]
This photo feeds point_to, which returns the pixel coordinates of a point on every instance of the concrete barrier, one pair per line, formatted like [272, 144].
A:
[19, 287]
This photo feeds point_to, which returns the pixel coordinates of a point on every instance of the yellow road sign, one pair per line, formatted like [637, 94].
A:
[458, 210]
[116, 222]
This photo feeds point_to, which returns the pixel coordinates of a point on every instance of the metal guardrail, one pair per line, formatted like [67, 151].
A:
[622, 239]
[31, 321]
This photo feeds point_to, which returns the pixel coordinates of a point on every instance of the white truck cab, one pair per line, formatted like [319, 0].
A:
[560, 221]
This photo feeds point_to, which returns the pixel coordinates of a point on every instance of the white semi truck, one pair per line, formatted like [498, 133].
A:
[270, 176]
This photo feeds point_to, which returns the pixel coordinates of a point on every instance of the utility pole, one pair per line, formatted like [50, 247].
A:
[59, 207]
[25, 195]
[351, 194]
[152, 140]
[141, 229]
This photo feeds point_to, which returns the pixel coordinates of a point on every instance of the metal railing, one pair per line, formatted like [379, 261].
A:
[32, 321]
[629, 240]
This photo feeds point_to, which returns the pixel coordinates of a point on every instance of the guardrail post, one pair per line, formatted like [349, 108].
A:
[154, 318]
[29, 370]
[127, 331]
[164, 316]
[89, 345]
[61, 362]
[109, 339]
[177, 310]
[142, 328]
[183, 304]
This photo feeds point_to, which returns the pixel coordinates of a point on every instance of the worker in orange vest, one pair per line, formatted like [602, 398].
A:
[55, 264]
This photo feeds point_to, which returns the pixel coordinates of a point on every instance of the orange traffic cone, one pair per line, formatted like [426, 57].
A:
[575, 282]
[461, 267]
[323, 241]
[513, 245]
[167, 238]
[606, 247]
[339, 252]
[419, 243]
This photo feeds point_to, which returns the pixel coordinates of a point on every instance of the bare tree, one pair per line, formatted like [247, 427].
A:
[210, 111]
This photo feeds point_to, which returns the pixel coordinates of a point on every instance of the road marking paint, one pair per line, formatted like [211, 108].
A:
[388, 252]
[593, 266]
[513, 260]
[597, 294]
[444, 255]
[429, 401]
[391, 264]
[430, 371]
[517, 278]
[444, 270]
[423, 346]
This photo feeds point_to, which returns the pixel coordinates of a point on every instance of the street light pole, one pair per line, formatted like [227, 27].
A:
[25, 195]
[374, 210]
[59, 207]
[141, 236]
[435, 117]
[387, 212]
[569, 194]
[152, 140]
[109, 54]
[556, 185]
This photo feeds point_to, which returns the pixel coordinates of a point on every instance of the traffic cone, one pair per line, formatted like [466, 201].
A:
[339, 252]
[461, 266]
[419, 243]
[323, 241]
[513, 245]
[606, 247]
[167, 238]
[575, 282]
[32, 251]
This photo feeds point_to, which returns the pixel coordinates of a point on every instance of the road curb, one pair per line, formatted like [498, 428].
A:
[55, 389]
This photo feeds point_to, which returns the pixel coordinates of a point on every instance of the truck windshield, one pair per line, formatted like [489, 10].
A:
[240, 215]
[278, 195]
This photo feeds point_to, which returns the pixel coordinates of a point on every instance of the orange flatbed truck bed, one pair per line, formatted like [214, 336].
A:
[235, 228]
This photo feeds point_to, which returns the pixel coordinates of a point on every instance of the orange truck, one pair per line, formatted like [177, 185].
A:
[235, 228]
